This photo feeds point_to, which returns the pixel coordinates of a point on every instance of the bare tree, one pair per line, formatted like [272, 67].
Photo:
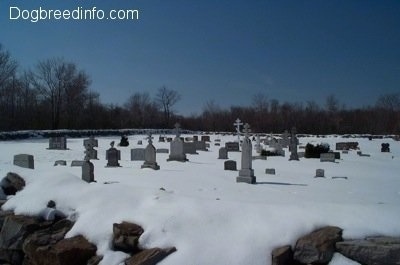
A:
[332, 103]
[8, 67]
[260, 102]
[142, 110]
[389, 102]
[211, 115]
[261, 107]
[166, 99]
[56, 79]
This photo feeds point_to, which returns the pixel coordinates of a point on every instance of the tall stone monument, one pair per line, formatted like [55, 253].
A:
[177, 152]
[87, 166]
[293, 145]
[150, 155]
[258, 144]
[246, 173]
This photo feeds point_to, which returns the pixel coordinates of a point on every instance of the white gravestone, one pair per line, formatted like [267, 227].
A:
[150, 155]
[177, 152]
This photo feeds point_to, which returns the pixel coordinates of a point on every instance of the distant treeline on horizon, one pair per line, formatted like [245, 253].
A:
[56, 94]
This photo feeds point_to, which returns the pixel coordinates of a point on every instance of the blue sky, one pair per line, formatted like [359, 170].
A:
[225, 50]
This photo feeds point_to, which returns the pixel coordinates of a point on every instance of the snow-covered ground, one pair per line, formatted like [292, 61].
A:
[201, 210]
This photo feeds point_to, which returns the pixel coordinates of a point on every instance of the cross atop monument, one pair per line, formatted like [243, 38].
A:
[150, 138]
[246, 130]
[177, 130]
[237, 124]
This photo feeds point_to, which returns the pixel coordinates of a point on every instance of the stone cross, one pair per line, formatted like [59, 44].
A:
[149, 138]
[237, 124]
[246, 130]
[150, 155]
[177, 130]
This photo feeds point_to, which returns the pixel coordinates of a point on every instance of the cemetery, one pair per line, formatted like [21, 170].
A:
[282, 202]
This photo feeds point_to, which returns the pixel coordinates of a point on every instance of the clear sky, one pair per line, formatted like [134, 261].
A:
[221, 50]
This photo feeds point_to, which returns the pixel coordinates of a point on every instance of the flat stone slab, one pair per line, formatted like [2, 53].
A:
[60, 163]
[77, 163]
[270, 171]
[162, 150]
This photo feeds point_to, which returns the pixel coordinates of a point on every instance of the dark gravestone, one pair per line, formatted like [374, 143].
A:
[124, 141]
[230, 165]
[327, 157]
[223, 153]
[162, 150]
[189, 148]
[320, 173]
[77, 163]
[205, 138]
[270, 171]
[385, 148]
[88, 171]
[60, 163]
[113, 155]
[346, 145]
[232, 146]
[200, 145]
[24, 160]
[293, 145]
[58, 143]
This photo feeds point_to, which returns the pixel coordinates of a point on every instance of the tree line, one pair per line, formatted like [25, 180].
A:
[56, 94]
